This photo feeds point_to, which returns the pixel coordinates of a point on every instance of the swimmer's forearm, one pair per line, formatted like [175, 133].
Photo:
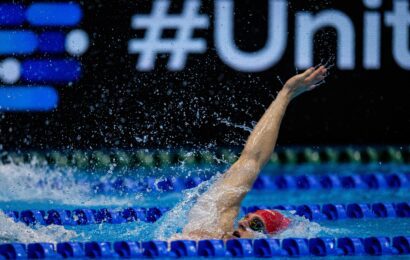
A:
[228, 191]
[262, 140]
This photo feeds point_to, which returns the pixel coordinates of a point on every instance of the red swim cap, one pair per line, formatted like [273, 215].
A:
[274, 221]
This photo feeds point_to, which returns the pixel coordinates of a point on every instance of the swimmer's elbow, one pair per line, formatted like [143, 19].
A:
[250, 163]
[252, 159]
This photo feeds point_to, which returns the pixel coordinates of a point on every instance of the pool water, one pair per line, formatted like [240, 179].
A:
[26, 186]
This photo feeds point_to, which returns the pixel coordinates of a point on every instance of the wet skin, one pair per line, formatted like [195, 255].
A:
[244, 230]
[227, 193]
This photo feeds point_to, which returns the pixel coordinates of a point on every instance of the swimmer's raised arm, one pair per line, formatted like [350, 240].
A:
[215, 211]
[262, 140]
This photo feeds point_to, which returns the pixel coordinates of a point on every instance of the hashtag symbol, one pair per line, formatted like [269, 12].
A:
[178, 47]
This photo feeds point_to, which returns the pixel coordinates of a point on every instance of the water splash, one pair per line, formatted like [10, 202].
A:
[303, 228]
[171, 225]
[11, 231]
[173, 221]
[243, 127]
[29, 183]
[280, 80]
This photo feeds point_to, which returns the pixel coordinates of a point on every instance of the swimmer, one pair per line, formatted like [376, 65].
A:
[214, 213]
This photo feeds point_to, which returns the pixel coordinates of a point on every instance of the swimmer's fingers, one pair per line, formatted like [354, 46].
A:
[311, 72]
[306, 81]
[317, 76]
[307, 73]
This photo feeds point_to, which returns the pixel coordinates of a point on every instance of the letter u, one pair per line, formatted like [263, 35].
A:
[257, 61]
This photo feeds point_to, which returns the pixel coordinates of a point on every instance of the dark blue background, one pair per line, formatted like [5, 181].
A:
[113, 105]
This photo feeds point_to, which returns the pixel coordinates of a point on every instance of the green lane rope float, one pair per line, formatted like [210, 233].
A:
[102, 159]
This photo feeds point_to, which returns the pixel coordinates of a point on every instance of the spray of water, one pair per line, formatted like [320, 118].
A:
[11, 231]
[30, 183]
[174, 220]
[198, 211]
[243, 127]
[302, 227]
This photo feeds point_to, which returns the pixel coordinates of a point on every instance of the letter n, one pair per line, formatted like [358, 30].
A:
[307, 25]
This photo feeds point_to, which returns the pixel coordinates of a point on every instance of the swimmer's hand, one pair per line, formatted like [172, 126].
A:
[305, 81]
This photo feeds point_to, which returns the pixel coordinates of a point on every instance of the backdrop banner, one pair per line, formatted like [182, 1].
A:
[162, 73]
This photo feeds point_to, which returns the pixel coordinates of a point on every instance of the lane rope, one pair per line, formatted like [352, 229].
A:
[263, 182]
[161, 158]
[313, 212]
[289, 247]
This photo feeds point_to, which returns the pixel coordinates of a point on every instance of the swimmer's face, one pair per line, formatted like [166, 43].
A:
[247, 226]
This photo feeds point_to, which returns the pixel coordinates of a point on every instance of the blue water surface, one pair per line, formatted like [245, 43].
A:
[42, 187]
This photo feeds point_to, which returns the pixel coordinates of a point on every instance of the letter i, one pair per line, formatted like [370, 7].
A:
[372, 35]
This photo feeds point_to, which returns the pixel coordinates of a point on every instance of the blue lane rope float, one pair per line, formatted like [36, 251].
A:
[263, 182]
[314, 212]
[158, 158]
[289, 247]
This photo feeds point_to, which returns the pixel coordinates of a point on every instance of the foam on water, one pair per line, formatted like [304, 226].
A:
[11, 231]
[171, 225]
[174, 220]
[28, 182]
[302, 227]
[34, 183]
